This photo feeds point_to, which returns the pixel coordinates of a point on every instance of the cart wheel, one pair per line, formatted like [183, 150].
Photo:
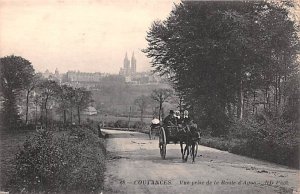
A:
[162, 143]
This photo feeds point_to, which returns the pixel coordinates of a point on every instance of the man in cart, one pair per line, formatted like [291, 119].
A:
[170, 120]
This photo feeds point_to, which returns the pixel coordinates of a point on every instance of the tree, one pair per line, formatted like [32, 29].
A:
[66, 96]
[218, 54]
[82, 98]
[142, 102]
[15, 74]
[160, 96]
[48, 91]
[34, 81]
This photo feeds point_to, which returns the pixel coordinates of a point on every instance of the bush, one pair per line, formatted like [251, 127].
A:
[139, 125]
[110, 124]
[121, 124]
[61, 162]
[274, 140]
[215, 142]
[261, 137]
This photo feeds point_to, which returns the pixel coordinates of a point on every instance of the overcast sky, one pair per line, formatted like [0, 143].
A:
[84, 35]
[89, 36]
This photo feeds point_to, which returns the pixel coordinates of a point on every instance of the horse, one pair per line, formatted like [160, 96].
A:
[190, 137]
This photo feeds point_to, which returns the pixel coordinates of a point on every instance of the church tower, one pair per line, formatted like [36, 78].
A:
[126, 65]
[133, 64]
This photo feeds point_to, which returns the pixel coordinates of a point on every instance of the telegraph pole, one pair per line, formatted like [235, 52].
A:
[129, 118]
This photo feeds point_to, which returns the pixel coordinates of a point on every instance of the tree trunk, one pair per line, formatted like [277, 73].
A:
[180, 104]
[279, 91]
[78, 112]
[42, 114]
[229, 110]
[46, 114]
[266, 101]
[35, 114]
[71, 116]
[162, 113]
[27, 102]
[159, 111]
[254, 103]
[241, 101]
[65, 117]
[276, 94]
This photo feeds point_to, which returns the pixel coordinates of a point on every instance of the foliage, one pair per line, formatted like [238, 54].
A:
[34, 82]
[48, 90]
[82, 98]
[55, 163]
[216, 142]
[65, 100]
[16, 73]
[221, 55]
[269, 139]
[121, 124]
[19, 82]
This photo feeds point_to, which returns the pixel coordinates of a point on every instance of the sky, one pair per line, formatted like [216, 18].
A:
[82, 35]
[79, 35]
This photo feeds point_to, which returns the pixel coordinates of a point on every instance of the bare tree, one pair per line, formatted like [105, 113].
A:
[142, 102]
[160, 96]
[81, 99]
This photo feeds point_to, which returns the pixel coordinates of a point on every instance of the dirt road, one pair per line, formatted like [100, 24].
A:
[135, 166]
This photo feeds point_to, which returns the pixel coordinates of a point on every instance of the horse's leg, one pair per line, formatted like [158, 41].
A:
[181, 148]
[187, 146]
[193, 151]
[188, 152]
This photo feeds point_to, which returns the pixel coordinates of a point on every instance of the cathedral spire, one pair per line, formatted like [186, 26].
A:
[133, 64]
[126, 65]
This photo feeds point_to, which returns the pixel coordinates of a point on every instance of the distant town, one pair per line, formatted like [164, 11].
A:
[127, 74]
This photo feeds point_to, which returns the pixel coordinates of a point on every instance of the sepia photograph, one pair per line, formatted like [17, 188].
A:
[149, 96]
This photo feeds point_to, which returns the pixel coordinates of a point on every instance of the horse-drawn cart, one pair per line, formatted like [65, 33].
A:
[174, 135]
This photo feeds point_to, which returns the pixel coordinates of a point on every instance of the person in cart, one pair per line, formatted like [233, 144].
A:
[178, 117]
[155, 122]
[169, 121]
[154, 127]
[185, 119]
[190, 126]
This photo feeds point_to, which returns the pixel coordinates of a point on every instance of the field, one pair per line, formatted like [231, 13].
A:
[115, 98]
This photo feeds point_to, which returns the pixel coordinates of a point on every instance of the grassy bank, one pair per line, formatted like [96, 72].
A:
[270, 151]
[10, 143]
[65, 161]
